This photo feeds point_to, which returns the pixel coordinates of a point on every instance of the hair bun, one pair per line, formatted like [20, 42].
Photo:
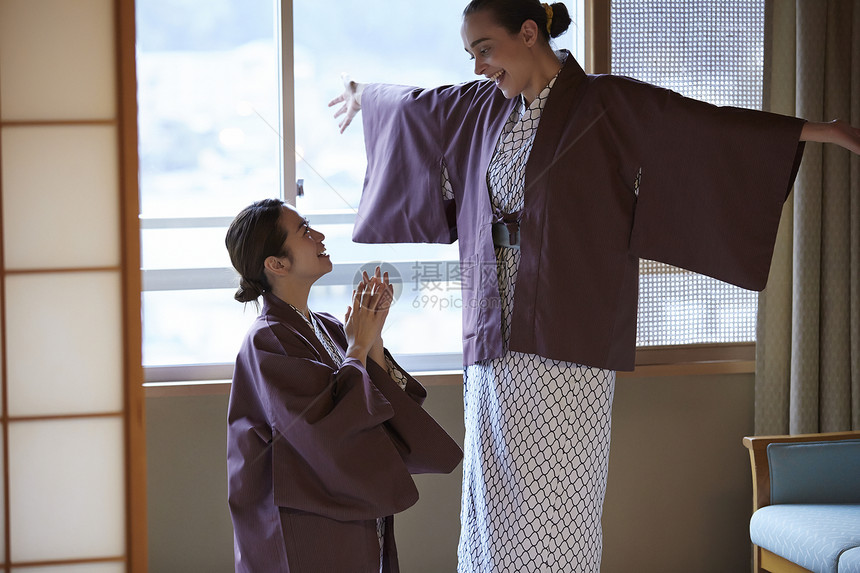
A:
[247, 292]
[560, 19]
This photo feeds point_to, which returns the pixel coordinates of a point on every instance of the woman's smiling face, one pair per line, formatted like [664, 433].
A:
[499, 55]
[308, 257]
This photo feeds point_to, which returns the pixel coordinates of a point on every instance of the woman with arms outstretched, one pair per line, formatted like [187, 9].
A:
[555, 183]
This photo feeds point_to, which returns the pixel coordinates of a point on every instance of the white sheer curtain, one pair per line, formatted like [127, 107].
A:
[808, 335]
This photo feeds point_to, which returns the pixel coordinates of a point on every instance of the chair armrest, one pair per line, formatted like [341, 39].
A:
[757, 446]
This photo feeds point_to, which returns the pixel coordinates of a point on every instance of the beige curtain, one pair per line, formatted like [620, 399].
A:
[808, 340]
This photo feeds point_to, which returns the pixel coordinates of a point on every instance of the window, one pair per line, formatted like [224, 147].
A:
[210, 143]
[209, 146]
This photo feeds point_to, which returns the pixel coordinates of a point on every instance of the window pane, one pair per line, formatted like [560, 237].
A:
[207, 326]
[193, 326]
[202, 247]
[680, 307]
[712, 50]
[208, 106]
[209, 145]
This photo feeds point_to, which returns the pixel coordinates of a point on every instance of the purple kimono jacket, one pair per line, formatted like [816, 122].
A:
[713, 182]
[316, 453]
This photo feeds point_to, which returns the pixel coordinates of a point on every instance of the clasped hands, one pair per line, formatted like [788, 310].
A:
[365, 319]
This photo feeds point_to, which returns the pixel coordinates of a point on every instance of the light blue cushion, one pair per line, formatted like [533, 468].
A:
[815, 472]
[849, 562]
[813, 536]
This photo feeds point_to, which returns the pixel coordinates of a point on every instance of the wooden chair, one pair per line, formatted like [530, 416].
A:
[763, 559]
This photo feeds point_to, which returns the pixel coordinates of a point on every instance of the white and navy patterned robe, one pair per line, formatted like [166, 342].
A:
[536, 451]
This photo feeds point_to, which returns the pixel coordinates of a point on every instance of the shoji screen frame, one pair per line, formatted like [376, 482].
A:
[132, 414]
[135, 418]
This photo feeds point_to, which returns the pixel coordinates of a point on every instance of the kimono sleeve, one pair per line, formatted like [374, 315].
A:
[331, 455]
[712, 180]
[424, 445]
[402, 198]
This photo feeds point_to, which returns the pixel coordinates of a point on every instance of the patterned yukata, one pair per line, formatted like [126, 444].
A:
[536, 450]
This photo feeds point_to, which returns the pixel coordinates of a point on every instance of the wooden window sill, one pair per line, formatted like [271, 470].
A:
[651, 362]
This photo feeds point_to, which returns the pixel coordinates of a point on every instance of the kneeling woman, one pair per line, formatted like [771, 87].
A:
[324, 428]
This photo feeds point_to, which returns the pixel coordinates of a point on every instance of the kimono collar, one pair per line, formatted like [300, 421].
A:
[285, 313]
[570, 76]
[571, 71]
[564, 97]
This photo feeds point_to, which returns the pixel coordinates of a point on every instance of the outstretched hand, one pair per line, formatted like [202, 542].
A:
[837, 131]
[351, 99]
[846, 136]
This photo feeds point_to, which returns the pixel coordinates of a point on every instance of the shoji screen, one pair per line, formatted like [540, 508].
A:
[69, 320]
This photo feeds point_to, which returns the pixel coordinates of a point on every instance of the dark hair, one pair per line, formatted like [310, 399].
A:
[254, 235]
[510, 14]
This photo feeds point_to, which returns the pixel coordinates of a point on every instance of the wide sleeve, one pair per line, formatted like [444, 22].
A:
[406, 133]
[331, 454]
[424, 445]
[711, 180]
